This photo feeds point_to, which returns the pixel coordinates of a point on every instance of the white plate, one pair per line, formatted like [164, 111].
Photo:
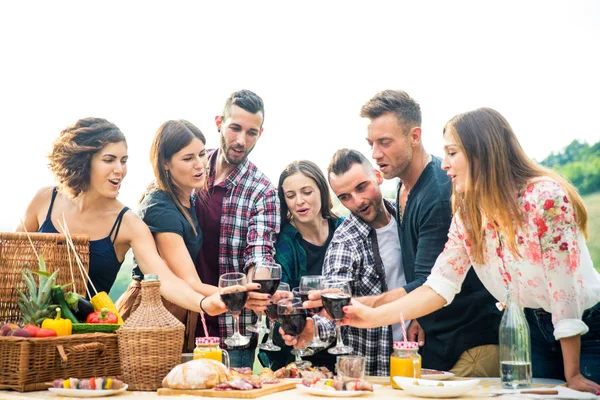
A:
[86, 393]
[440, 376]
[334, 393]
[429, 388]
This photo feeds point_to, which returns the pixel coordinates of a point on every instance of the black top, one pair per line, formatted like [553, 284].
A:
[472, 319]
[104, 263]
[315, 255]
[161, 214]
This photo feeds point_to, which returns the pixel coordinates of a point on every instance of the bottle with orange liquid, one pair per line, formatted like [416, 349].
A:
[208, 347]
[405, 361]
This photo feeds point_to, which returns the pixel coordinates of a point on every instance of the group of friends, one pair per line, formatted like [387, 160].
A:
[461, 232]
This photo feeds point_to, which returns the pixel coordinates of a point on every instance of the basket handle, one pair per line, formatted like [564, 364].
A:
[78, 348]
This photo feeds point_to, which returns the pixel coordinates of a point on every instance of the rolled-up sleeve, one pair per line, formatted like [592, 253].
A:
[452, 265]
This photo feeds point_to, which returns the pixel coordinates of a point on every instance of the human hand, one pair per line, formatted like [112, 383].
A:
[304, 337]
[256, 301]
[578, 382]
[280, 295]
[415, 333]
[359, 315]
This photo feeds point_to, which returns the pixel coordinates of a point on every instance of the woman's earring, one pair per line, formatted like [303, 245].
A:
[167, 172]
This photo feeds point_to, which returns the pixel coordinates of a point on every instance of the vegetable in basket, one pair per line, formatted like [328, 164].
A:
[101, 300]
[102, 317]
[79, 305]
[61, 326]
[59, 297]
[36, 303]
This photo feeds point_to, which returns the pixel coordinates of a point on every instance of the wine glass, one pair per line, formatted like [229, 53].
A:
[335, 295]
[268, 275]
[308, 283]
[272, 316]
[232, 288]
[292, 318]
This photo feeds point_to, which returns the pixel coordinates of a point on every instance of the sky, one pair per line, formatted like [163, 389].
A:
[314, 63]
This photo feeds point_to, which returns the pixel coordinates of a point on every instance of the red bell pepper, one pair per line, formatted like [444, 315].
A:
[102, 317]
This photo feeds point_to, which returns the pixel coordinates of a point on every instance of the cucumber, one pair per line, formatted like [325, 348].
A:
[59, 298]
[90, 328]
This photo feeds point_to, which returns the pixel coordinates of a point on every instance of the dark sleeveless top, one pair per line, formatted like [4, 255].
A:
[104, 264]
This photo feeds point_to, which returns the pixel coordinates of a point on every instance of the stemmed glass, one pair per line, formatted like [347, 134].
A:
[268, 275]
[308, 283]
[335, 295]
[272, 316]
[232, 288]
[292, 318]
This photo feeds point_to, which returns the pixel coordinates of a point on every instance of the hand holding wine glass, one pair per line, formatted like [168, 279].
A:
[309, 283]
[335, 295]
[268, 276]
[233, 291]
[271, 313]
[292, 319]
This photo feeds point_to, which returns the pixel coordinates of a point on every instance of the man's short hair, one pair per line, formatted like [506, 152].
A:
[344, 159]
[398, 102]
[246, 100]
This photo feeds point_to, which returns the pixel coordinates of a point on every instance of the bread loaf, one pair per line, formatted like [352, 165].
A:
[197, 374]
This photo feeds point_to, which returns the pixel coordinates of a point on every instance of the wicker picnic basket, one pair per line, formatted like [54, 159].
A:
[16, 254]
[150, 340]
[27, 363]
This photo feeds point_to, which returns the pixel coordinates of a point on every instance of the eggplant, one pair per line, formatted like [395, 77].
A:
[80, 306]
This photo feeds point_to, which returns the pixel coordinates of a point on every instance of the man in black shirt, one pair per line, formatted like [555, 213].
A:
[463, 336]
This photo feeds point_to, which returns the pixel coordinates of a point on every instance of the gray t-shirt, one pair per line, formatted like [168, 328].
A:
[391, 256]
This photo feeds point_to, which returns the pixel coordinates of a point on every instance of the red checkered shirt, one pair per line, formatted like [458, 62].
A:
[249, 226]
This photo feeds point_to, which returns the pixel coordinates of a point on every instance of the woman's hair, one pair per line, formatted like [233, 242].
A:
[171, 137]
[72, 151]
[312, 171]
[497, 169]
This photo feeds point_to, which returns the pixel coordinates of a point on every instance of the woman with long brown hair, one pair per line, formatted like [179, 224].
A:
[178, 158]
[89, 161]
[523, 227]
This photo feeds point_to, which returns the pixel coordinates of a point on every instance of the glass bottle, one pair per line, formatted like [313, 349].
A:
[514, 344]
[405, 361]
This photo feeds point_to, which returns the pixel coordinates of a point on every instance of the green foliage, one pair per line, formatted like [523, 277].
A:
[580, 163]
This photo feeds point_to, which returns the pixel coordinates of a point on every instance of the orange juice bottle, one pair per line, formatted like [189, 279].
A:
[208, 347]
[405, 361]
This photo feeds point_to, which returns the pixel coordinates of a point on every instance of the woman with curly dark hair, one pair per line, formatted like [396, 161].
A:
[89, 160]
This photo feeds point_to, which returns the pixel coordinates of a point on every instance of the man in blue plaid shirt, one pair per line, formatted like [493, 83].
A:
[238, 214]
[364, 249]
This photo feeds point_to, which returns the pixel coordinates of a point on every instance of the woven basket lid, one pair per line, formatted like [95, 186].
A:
[208, 340]
[402, 345]
[151, 313]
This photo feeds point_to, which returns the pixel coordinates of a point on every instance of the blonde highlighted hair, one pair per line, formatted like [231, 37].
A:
[497, 169]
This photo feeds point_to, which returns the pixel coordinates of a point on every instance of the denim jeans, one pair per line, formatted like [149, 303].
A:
[546, 354]
[241, 358]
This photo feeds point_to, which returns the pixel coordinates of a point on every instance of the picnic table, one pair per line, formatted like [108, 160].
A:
[483, 391]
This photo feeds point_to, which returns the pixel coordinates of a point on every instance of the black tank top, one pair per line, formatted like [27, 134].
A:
[104, 264]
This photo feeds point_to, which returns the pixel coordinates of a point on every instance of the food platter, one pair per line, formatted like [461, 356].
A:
[86, 393]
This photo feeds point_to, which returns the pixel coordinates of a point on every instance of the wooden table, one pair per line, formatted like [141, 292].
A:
[486, 386]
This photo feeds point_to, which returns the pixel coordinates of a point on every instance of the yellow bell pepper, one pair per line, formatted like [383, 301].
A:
[61, 326]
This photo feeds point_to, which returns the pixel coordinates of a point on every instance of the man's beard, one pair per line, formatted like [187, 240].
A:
[225, 152]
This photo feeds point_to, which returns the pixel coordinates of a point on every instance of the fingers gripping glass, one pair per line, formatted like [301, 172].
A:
[268, 276]
[292, 318]
[232, 288]
[272, 317]
[308, 283]
[336, 295]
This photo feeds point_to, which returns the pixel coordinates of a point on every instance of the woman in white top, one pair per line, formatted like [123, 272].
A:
[520, 224]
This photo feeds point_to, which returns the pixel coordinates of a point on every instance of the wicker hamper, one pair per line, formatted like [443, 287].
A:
[26, 364]
[16, 254]
[150, 341]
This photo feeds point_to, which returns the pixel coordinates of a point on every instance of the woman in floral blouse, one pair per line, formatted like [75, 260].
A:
[520, 224]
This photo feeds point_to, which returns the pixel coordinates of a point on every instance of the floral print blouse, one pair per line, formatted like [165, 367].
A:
[554, 272]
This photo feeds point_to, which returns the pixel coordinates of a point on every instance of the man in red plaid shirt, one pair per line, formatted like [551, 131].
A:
[239, 215]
